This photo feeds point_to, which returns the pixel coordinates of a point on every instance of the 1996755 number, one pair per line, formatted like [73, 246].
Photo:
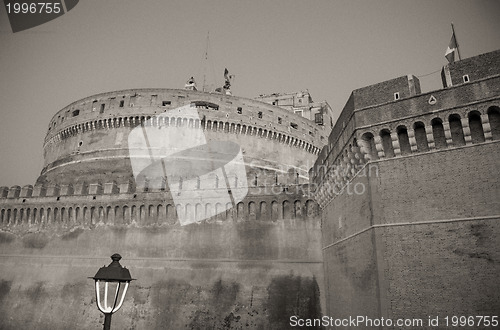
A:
[34, 8]
[472, 321]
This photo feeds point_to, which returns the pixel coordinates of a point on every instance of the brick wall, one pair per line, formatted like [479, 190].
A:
[476, 68]
[422, 241]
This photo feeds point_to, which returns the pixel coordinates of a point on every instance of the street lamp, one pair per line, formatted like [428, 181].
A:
[114, 278]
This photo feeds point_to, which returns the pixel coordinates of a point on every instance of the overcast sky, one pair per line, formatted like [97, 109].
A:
[327, 47]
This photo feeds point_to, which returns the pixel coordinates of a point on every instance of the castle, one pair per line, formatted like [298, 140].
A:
[391, 212]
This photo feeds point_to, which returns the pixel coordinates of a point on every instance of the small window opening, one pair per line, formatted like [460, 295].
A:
[240, 110]
[102, 108]
[204, 105]
[466, 78]
[318, 118]
[259, 115]
[293, 125]
[80, 143]
[280, 120]
[396, 96]
[165, 103]
[122, 102]
[76, 113]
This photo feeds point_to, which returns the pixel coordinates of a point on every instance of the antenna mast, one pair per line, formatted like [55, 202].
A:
[206, 62]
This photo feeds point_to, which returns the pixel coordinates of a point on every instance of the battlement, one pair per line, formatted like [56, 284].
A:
[471, 69]
[259, 180]
[457, 116]
[148, 102]
[67, 206]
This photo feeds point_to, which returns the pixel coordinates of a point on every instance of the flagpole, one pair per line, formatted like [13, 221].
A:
[455, 36]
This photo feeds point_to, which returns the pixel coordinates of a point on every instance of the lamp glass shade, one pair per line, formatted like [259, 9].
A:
[110, 295]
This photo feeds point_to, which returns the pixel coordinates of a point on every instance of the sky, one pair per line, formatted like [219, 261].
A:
[328, 47]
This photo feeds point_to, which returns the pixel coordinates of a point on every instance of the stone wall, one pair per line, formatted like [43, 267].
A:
[421, 238]
[88, 139]
[252, 266]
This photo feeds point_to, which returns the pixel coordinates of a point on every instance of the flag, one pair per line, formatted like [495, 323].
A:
[450, 51]
[226, 74]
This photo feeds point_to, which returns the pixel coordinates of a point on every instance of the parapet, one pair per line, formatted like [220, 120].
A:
[257, 178]
[117, 205]
[386, 91]
[411, 123]
[471, 69]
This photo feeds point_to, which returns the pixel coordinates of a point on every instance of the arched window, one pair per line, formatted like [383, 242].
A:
[385, 135]
[297, 210]
[494, 119]
[178, 210]
[199, 212]
[126, 215]
[420, 136]
[404, 141]
[311, 209]
[263, 211]
[438, 133]
[252, 212]
[208, 211]
[170, 213]
[274, 210]
[476, 127]
[457, 133]
[189, 212]
[239, 211]
[367, 143]
[286, 210]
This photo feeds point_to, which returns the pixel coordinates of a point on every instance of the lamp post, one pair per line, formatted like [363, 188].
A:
[108, 278]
